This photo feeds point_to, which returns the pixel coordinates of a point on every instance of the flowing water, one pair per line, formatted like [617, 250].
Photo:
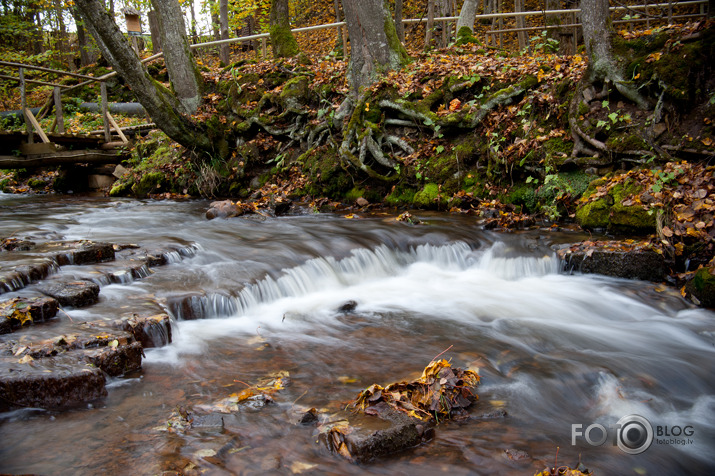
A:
[552, 349]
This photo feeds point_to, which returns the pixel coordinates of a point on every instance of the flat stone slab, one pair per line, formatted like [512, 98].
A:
[620, 259]
[64, 369]
[17, 312]
[57, 383]
[73, 293]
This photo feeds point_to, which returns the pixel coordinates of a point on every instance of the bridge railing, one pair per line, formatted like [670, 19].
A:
[32, 123]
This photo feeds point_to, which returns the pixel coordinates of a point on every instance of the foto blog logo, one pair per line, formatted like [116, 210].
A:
[633, 434]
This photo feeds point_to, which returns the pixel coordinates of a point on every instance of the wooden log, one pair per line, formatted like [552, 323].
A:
[31, 117]
[117, 128]
[63, 158]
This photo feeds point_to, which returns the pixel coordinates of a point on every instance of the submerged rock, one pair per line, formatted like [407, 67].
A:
[85, 252]
[702, 287]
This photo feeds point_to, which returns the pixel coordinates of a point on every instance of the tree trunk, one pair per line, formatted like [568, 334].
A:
[466, 17]
[155, 31]
[161, 105]
[194, 34]
[84, 56]
[374, 45]
[597, 35]
[399, 26]
[185, 79]
[62, 37]
[225, 50]
[282, 39]
[430, 24]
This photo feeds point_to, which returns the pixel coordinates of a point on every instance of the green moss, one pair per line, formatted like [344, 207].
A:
[629, 218]
[283, 42]
[149, 183]
[354, 193]
[401, 195]
[557, 145]
[121, 189]
[623, 142]
[36, 184]
[583, 108]
[523, 195]
[428, 197]
[465, 36]
[703, 286]
[295, 93]
[593, 214]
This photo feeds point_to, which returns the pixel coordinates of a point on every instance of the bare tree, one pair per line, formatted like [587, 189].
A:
[399, 26]
[466, 17]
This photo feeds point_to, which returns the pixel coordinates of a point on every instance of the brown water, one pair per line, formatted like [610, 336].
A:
[553, 349]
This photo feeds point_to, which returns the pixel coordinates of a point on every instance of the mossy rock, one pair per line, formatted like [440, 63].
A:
[121, 189]
[400, 195]
[702, 286]
[465, 36]
[593, 215]
[523, 195]
[610, 212]
[295, 93]
[149, 183]
[429, 197]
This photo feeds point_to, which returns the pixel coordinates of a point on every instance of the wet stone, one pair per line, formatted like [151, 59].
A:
[223, 209]
[116, 360]
[58, 383]
[151, 331]
[348, 306]
[646, 265]
[16, 244]
[74, 293]
[20, 311]
[362, 438]
[85, 252]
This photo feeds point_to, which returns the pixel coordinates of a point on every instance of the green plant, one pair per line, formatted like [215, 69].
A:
[544, 43]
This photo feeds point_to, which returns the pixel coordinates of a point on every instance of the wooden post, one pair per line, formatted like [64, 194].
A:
[59, 119]
[105, 112]
[23, 106]
[264, 47]
[647, 18]
[670, 12]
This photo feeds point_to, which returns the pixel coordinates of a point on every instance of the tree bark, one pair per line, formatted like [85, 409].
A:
[598, 38]
[374, 45]
[185, 79]
[224, 51]
[161, 105]
[84, 56]
[282, 39]
[466, 16]
[399, 26]
[155, 31]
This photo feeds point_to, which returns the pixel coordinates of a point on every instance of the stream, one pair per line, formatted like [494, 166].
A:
[553, 349]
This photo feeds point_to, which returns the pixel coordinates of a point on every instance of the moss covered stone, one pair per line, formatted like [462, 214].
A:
[428, 197]
[149, 183]
[594, 214]
[702, 286]
[295, 93]
[121, 189]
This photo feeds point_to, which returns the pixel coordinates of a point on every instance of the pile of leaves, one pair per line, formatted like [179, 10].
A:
[493, 214]
[439, 393]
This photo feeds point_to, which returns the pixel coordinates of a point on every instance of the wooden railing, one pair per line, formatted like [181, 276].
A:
[31, 122]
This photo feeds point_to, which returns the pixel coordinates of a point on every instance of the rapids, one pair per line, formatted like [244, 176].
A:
[553, 349]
